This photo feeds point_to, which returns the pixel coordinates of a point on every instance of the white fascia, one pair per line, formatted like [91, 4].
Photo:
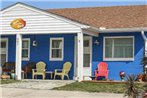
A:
[123, 30]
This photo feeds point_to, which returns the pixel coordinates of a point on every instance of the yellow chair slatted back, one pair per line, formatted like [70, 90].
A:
[40, 67]
[67, 67]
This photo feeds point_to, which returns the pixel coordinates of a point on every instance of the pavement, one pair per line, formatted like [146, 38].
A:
[38, 84]
[43, 89]
[32, 93]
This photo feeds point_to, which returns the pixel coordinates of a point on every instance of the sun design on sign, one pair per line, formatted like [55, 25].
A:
[18, 23]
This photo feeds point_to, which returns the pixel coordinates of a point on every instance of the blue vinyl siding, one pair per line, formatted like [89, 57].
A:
[130, 67]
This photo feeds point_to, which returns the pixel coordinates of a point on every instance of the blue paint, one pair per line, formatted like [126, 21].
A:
[41, 53]
[130, 67]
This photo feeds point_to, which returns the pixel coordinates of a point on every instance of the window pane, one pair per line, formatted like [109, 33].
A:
[3, 51]
[86, 43]
[25, 53]
[108, 48]
[86, 60]
[129, 52]
[123, 47]
[3, 44]
[56, 53]
[57, 44]
[123, 41]
[25, 44]
[118, 52]
[3, 59]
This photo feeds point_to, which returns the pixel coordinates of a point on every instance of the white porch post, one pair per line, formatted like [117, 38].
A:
[18, 56]
[80, 56]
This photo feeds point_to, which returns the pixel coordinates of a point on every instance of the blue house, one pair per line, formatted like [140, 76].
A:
[82, 36]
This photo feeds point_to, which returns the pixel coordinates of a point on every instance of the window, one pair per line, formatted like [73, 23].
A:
[4, 50]
[25, 48]
[86, 60]
[56, 48]
[119, 48]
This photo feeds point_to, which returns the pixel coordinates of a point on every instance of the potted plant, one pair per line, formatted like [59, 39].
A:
[144, 77]
[131, 86]
[144, 94]
[13, 76]
[122, 75]
[144, 63]
[139, 77]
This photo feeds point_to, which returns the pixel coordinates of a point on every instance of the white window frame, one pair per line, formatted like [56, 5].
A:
[27, 58]
[56, 59]
[7, 42]
[117, 59]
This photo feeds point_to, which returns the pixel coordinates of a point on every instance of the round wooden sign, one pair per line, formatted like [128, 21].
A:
[18, 23]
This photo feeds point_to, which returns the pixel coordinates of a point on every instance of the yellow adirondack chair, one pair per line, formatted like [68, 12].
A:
[40, 70]
[63, 72]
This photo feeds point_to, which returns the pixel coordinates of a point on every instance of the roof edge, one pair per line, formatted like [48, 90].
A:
[123, 30]
[97, 7]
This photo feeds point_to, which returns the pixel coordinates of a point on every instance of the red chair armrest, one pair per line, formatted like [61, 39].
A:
[95, 72]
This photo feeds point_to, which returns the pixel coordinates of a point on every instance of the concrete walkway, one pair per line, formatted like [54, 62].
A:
[38, 84]
[42, 89]
[31, 93]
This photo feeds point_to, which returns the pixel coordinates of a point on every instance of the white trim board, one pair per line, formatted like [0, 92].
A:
[118, 59]
[39, 32]
[50, 49]
[28, 58]
[123, 30]
[75, 55]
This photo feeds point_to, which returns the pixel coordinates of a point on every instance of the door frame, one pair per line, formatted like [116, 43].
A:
[75, 55]
[5, 39]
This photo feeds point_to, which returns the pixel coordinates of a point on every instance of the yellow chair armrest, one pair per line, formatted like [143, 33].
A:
[58, 70]
[33, 70]
[40, 69]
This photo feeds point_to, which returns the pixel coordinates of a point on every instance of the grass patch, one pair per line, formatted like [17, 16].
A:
[94, 87]
[8, 81]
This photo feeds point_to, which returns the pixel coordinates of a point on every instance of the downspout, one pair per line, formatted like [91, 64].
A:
[145, 41]
[143, 35]
[145, 48]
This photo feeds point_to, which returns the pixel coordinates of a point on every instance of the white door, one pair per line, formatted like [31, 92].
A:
[87, 56]
[3, 50]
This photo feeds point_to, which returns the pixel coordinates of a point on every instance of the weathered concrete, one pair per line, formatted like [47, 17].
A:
[31, 93]
[42, 89]
[38, 84]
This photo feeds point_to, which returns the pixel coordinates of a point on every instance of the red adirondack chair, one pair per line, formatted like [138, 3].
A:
[102, 70]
